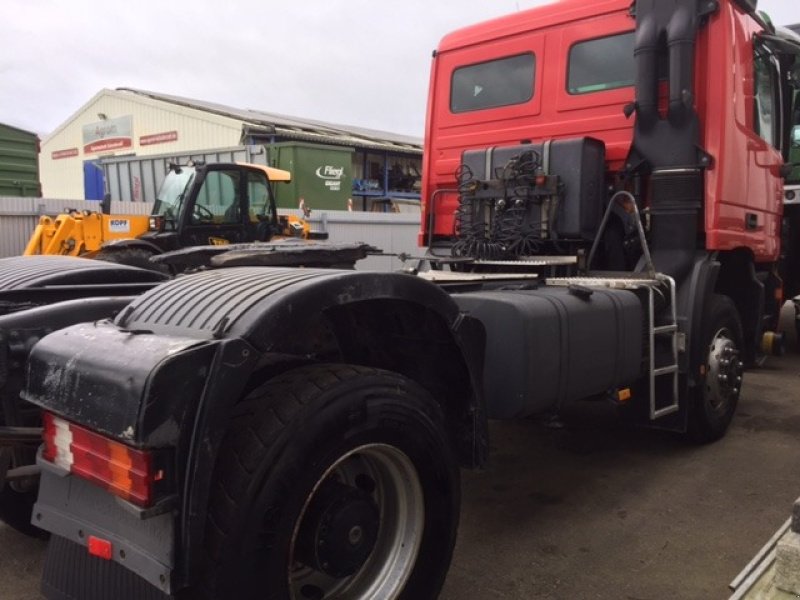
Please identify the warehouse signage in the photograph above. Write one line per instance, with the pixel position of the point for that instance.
(158, 138)
(109, 134)
(68, 153)
(332, 176)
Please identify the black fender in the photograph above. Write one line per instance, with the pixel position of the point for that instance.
(256, 314)
(28, 281)
(27, 272)
(20, 330)
(692, 295)
(192, 347)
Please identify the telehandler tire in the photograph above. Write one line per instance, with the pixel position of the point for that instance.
(133, 257)
(333, 481)
(719, 367)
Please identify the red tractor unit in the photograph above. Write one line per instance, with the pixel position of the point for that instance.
(604, 212)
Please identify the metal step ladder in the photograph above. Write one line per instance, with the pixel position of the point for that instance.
(669, 330)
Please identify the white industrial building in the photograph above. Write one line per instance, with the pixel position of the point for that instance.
(135, 123)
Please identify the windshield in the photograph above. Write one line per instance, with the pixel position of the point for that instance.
(170, 194)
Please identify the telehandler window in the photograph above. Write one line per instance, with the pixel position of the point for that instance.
(492, 84)
(218, 200)
(601, 64)
(258, 195)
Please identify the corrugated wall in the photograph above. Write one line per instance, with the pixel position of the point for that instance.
(19, 162)
(137, 179)
(392, 233)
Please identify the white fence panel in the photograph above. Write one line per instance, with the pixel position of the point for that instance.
(393, 233)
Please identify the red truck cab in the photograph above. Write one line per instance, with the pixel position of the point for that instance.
(568, 69)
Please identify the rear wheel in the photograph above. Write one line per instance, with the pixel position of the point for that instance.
(333, 482)
(18, 496)
(16, 508)
(720, 368)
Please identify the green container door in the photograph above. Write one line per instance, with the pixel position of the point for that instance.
(321, 175)
(19, 162)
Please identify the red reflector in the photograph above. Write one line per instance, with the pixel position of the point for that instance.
(120, 469)
(99, 547)
(49, 437)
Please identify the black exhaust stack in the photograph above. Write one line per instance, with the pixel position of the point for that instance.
(668, 147)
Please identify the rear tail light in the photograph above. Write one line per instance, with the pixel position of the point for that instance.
(120, 469)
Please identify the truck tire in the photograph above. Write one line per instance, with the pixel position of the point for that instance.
(720, 366)
(133, 257)
(333, 481)
(16, 508)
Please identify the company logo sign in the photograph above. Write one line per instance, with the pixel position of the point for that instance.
(111, 134)
(158, 138)
(119, 225)
(332, 176)
(68, 153)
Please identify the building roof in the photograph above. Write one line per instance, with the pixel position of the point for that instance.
(296, 128)
(18, 130)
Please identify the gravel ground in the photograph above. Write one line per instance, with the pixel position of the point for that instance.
(599, 511)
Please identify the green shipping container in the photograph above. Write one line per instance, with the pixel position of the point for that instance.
(321, 175)
(19, 162)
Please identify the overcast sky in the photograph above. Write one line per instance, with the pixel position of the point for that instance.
(357, 62)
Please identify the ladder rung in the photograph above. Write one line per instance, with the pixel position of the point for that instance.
(665, 370)
(667, 410)
(665, 329)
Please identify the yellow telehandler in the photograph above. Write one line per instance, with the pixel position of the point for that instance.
(196, 205)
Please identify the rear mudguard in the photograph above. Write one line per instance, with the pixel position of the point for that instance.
(27, 272)
(169, 370)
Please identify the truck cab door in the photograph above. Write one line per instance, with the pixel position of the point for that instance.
(764, 183)
(790, 239)
(215, 212)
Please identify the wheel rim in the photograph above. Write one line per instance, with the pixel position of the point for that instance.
(360, 529)
(724, 371)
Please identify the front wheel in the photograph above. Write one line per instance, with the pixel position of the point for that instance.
(720, 369)
(333, 482)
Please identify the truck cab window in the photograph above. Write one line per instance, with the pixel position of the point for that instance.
(601, 64)
(766, 109)
(492, 84)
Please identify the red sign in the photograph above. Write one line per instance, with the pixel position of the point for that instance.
(107, 144)
(158, 138)
(64, 153)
